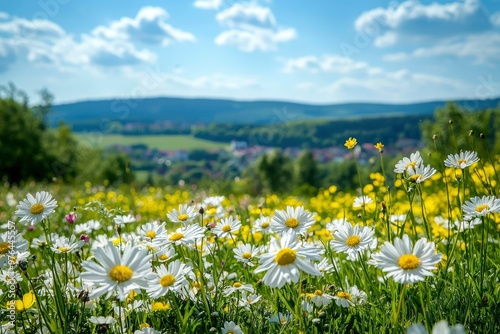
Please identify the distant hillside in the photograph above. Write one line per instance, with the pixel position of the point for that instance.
(87, 114)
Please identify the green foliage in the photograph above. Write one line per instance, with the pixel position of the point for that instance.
(29, 150)
(315, 133)
(275, 170)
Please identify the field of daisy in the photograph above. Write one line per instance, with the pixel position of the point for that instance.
(415, 254)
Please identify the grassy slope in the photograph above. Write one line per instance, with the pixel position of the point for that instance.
(163, 142)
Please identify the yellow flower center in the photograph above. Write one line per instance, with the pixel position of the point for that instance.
(282, 320)
(5, 247)
(344, 295)
(353, 240)
(37, 208)
(120, 273)
(408, 261)
(176, 237)
(167, 280)
(292, 222)
(318, 293)
(462, 161)
(414, 178)
(286, 256)
(163, 257)
(246, 255)
(150, 234)
(182, 217)
(237, 285)
(265, 224)
(63, 249)
(211, 211)
(230, 332)
(411, 164)
(144, 325)
(482, 207)
(117, 241)
(226, 228)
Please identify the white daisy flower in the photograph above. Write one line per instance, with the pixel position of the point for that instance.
(102, 320)
(187, 235)
(153, 233)
(227, 227)
(91, 225)
(480, 206)
(320, 298)
(245, 253)
(262, 225)
(248, 299)
(306, 307)
(405, 263)
(440, 327)
(238, 287)
(398, 218)
(213, 206)
(420, 173)
(11, 245)
(362, 201)
(296, 220)
(407, 164)
(63, 245)
(281, 318)
(34, 209)
(147, 330)
(122, 220)
(353, 240)
(115, 272)
(461, 160)
(231, 328)
(170, 278)
(353, 296)
(336, 224)
(324, 266)
(10, 277)
(463, 225)
(284, 260)
(186, 214)
(164, 253)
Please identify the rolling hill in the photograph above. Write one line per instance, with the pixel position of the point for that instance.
(195, 111)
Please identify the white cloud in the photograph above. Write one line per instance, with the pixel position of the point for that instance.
(483, 48)
(326, 63)
(252, 28)
(149, 26)
(400, 56)
(208, 4)
(45, 43)
(4, 16)
(412, 21)
(495, 19)
(382, 87)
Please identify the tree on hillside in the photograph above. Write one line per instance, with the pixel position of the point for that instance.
(306, 169)
(276, 171)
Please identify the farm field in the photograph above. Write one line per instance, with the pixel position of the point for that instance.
(160, 142)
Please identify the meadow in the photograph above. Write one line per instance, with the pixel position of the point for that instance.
(160, 142)
(414, 254)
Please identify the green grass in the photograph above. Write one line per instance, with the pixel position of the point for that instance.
(161, 142)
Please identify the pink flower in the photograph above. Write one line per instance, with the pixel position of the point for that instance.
(71, 217)
(85, 238)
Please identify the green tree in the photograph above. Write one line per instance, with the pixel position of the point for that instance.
(276, 171)
(306, 169)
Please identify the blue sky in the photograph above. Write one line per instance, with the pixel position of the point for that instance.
(321, 51)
